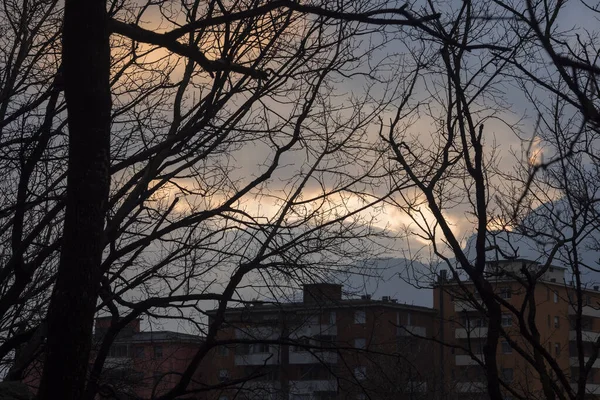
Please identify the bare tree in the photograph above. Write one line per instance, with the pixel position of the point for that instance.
(126, 173)
(547, 202)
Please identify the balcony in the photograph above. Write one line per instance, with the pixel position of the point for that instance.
(261, 390)
(586, 336)
(314, 330)
(471, 387)
(257, 359)
(590, 388)
(464, 360)
(461, 306)
(315, 357)
(574, 362)
(586, 311)
(118, 362)
(411, 330)
(462, 333)
(416, 387)
(309, 387)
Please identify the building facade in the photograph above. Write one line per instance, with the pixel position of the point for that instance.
(465, 328)
(326, 347)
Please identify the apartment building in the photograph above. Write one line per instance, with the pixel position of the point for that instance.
(140, 365)
(145, 364)
(464, 325)
(325, 347)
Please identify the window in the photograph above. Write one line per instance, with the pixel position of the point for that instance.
(223, 398)
(260, 348)
(361, 396)
(556, 297)
(332, 318)
(313, 320)
(360, 343)
(303, 344)
(242, 349)
(223, 351)
(158, 351)
(506, 349)
(118, 351)
(549, 321)
(325, 341)
(359, 317)
(557, 349)
(360, 373)
(507, 375)
(408, 319)
(223, 375)
(556, 322)
(139, 352)
(506, 320)
(505, 293)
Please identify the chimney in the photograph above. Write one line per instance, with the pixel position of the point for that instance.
(385, 298)
(322, 292)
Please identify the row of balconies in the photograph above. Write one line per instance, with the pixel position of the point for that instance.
(481, 387)
(481, 332)
(312, 386)
(295, 357)
(272, 389)
(466, 360)
(314, 330)
(587, 311)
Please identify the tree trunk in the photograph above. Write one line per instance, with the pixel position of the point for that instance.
(86, 63)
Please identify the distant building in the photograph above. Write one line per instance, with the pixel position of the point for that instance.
(140, 365)
(465, 325)
(331, 348)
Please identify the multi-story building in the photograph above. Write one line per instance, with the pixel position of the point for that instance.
(145, 364)
(465, 326)
(140, 365)
(326, 347)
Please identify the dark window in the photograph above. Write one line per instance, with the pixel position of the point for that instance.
(260, 348)
(158, 351)
(242, 349)
(506, 349)
(505, 293)
(506, 320)
(118, 350)
(223, 351)
(139, 352)
(507, 375)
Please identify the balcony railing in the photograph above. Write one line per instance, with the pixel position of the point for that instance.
(590, 388)
(461, 306)
(586, 311)
(257, 359)
(411, 330)
(462, 333)
(586, 336)
(463, 360)
(471, 387)
(574, 362)
(315, 357)
(309, 387)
